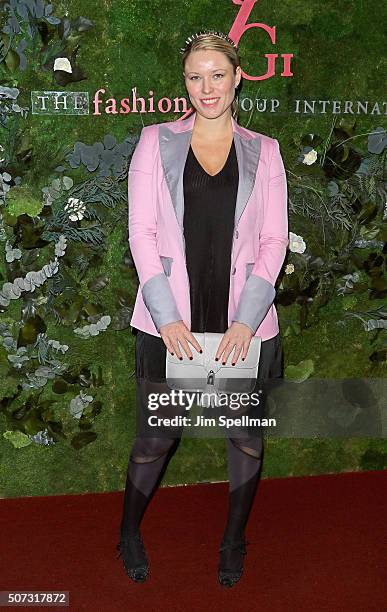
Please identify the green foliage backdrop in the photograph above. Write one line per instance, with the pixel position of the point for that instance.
(67, 281)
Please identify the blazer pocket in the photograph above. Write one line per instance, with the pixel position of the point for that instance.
(167, 264)
(249, 267)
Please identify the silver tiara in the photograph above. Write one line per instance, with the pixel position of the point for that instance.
(191, 38)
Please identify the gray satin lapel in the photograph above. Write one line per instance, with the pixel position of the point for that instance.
(247, 152)
(174, 148)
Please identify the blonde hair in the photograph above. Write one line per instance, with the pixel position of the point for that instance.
(213, 42)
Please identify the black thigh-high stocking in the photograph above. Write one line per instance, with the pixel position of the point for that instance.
(148, 456)
(244, 462)
(245, 455)
(146, 462)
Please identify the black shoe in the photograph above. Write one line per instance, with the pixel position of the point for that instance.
(230, 569)
(134, 557)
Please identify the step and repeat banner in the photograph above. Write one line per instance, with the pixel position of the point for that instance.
(78, 81)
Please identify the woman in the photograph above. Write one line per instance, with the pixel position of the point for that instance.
(208, 232)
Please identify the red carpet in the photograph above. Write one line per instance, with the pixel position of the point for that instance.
(317, 543)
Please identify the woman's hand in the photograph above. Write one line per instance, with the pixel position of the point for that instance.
(238, 335)
(175, 333)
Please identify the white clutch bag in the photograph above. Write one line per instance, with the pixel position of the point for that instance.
(205, 374)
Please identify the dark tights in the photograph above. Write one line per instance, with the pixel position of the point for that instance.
(150, 455)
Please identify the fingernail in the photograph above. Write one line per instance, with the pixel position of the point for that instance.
(191, 358)
(216, 358)
(243, 358)
(181, 358)
(223, 363)
(233, 364)
(172, 353)
(201, 351)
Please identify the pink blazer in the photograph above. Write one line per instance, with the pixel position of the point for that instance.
(156, 238)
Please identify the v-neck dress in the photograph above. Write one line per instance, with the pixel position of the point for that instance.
(209, 211)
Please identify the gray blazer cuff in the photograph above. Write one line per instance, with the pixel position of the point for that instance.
(255, 300)
(159, 300)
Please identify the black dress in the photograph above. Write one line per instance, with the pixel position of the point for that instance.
(209, 209)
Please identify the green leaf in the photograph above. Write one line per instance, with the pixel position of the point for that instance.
(29, 332)
(17, 438)
(21, 200)
(12, 60)
(82, 439)
(60, 386)
(300, 371)
(98, 283)
(121, 319)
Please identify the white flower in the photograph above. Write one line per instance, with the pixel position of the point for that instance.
(310, 157)
(296, 243)
(76, 209)
(62, 63)
(289, 269)
(2, 150)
